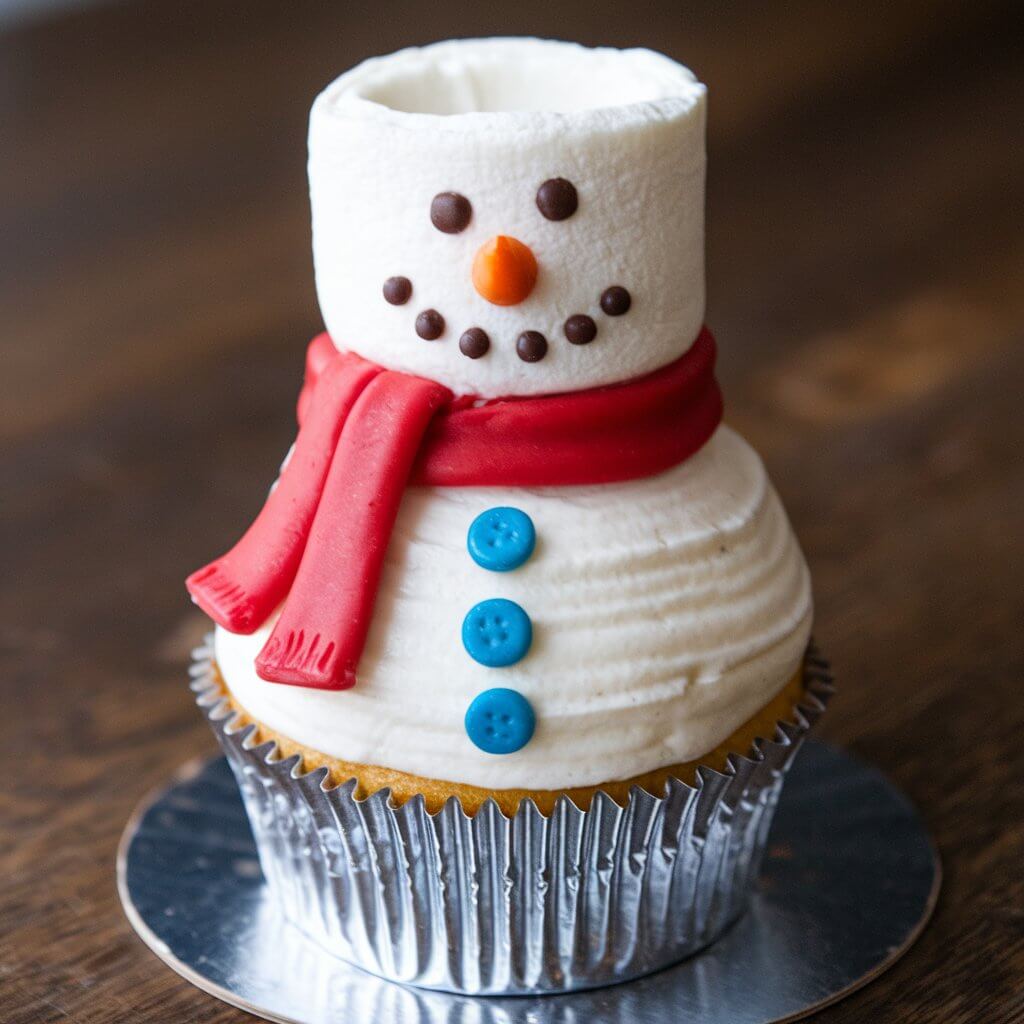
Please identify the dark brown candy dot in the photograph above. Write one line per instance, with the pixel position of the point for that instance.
(615, 300)
(580, 329)
(531, 346)
(430, 324)
(557, 199)
(450, 212)
(474, 343)
(397, 290)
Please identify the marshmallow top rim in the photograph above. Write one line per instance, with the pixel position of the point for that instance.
(464, 85)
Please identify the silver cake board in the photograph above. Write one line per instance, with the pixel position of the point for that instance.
(849, 881)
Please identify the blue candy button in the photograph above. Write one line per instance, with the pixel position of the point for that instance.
(501, 539)
(500, 721)
(497, 632)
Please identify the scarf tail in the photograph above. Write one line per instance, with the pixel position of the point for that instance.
(240, 589)
(318, 640)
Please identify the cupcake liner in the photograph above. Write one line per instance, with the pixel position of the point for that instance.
(493, 904)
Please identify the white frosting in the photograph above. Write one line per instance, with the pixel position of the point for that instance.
(666, 612)
(492, 120)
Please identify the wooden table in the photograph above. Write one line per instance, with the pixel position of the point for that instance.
(866, 276)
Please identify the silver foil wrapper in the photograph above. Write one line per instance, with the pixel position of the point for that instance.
(490, 904)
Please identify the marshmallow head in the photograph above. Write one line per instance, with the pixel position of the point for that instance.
(511, 216)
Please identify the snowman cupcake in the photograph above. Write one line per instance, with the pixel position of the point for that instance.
(512, 661)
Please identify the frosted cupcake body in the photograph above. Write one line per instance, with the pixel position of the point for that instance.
(665, 613)
(495, 221)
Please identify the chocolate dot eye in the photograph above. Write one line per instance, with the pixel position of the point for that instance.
(474, 343)
(615, 300)
(580, 329)
(557, 199)
(397, 290)
(430, 325)
(450, 212)
(531, 346)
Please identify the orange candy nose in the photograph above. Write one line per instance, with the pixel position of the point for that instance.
(504, 271)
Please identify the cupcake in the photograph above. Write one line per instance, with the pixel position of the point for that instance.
(512, 661)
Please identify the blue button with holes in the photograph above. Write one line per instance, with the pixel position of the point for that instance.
(500, 721)
(501, 539)
(497, 632)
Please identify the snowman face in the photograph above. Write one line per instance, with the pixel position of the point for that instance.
(507, 252)
(505, 273)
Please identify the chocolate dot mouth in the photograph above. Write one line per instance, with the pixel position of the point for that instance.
(397, 290)
(430, 325)
(616, 300)
(580, 329)
(531, 346)
(474, 343)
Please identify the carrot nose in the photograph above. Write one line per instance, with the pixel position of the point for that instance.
(504, 271)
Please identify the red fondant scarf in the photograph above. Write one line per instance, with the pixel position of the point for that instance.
(366, 432)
